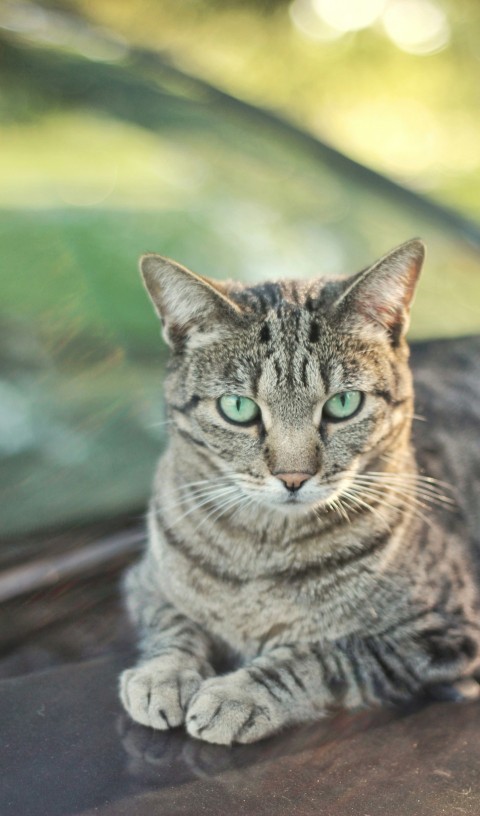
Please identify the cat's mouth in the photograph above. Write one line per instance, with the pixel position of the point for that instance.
(317, 495)
(317, 499)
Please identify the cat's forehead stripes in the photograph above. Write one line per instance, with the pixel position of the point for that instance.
(290, 346)
(278, 296)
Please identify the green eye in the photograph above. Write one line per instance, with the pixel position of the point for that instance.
(343, 406)
(241, 410)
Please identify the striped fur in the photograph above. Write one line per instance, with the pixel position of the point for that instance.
(258, 608)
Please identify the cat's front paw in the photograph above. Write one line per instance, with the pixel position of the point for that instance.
(225, 710)
(158, 696)
(466, 689)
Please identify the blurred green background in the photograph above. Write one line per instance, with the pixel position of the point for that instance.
(222, 134)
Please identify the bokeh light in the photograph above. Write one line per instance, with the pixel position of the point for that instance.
(416, 26)
(307, 20)
(349, 15)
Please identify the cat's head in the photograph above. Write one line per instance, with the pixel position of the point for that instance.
(289, 387)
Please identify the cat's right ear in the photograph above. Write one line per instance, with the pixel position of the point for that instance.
(192, 308)
(380, 296)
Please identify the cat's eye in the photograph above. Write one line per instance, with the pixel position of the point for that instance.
(343, 405)
(241, 410)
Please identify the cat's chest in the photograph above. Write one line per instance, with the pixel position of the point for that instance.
(247, 614)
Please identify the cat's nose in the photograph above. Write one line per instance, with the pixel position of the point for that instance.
(293, 481)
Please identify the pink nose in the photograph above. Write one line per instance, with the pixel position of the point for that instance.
(293, 481)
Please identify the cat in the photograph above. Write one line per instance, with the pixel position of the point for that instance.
(294, 562)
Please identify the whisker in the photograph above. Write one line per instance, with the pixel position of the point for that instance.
(397, 475)
(430, 496)
(209, 498)
(250, 501)
(208, 481)
(353, 496)
(426, 486)
(407, 502)
(200, 492)
(425, 489)
(371, 491)
(159, 424)
(345, 503)
(337, 505)
(222, 508)
(411, 476)
(197, 492)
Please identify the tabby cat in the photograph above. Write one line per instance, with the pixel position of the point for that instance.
(294, 562)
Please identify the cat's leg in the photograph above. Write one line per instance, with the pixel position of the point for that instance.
(295, 683)
(284, 686)
(174, 661)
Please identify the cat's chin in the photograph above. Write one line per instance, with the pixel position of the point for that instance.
(296, 506)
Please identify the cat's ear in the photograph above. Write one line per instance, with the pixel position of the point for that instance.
(190, 306)
(382, 294)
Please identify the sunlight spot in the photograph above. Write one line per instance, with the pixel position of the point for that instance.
(306, 19)
(416, 26)
(349, 15)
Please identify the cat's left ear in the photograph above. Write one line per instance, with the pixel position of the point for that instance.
(193, 309)
(382, 294)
